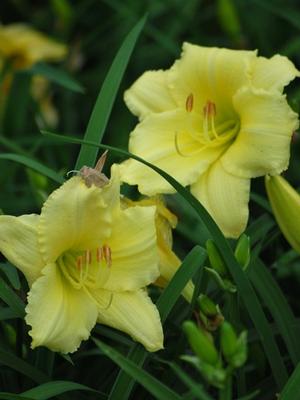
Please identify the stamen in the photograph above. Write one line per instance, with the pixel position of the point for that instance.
(107, 255)
(189, 103)
(209, 111)
(99, 254)
(79, 262)
(87, 261)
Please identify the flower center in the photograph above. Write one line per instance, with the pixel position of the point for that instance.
(89, 269)
(212, 134)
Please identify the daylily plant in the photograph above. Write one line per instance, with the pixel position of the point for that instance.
(86, 260)
(214, 120)
(24, 46)
(285, 202)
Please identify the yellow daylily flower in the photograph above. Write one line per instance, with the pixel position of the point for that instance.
(165, 221)
(214, 120)
(86, 260)
(24, 46)
(285, 202)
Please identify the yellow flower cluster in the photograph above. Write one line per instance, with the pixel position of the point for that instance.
(214, 120)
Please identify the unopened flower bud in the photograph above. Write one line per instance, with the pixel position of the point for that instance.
(215, 258)
(285, 202)
(242, 251)
(228, 340)
(207, 306)
(200, 343)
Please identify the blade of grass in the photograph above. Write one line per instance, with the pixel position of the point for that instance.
(15, 363)
(275, 300)
(55, 388)
(56, 75)
(291, 389)
(124, 383)
(153, 385)
(195, 388)
(33, 164)
(7, 313)
(191, 264)
(11, 299)
(104, 103)
(241, 280)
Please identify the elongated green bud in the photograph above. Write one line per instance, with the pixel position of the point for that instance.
(200, 343)
(242, 251)
(207, 306)
(215, 259)
(229, 340)
(285, 202)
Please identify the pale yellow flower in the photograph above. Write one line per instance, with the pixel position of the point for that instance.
(86, 260)
(214, 120)
(165, 221)
(24, 46)
(285, 202)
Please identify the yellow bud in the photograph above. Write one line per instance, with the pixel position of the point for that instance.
(285, 202)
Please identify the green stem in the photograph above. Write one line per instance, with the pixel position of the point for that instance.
(226, 393)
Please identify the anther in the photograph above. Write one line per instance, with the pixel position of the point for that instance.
(189, 103)
(107, 255)
(209, 110)
(99, 254)
(88, 257)
(79, 262)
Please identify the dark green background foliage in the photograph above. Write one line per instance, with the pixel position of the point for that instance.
(94, 31)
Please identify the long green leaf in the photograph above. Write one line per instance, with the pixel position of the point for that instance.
(56, 75)
(292, 388)
(275, 300)
(55, 388)
(153, 385)
(12, 396)
(33, 164)
(242, 282)
(7, 313)
(124, 383)
(15, 363)
(11, 299)
(195, 388)
(104, 103)
(191, 264)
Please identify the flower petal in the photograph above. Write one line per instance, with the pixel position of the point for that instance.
(133, 248)
(19, 244)
(273, 73)
(60, 316)
(225, 197)
(169, 264)
(73, 217)
(154, 139)
(209, 73)
(133, 313)
(149, 94)
(262, 145)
